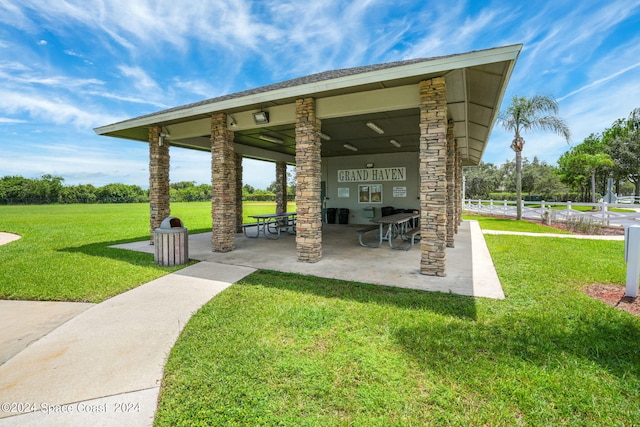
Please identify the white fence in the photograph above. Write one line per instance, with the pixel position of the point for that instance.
(561, 211)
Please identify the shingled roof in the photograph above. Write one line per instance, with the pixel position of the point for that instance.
(476, 82)
(298, 81)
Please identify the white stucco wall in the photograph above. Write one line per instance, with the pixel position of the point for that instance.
(331, 166)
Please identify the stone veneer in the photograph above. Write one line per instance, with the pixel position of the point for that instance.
(451, 187)
(433, 180)
(159, 207)
(223, 181)
(458, 188)
(239, 212)
(308, 174)
(281, 187)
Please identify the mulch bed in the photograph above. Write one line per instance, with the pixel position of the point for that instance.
(613, 295)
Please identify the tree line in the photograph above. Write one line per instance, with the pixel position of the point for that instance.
(581, 174)
(48, 189)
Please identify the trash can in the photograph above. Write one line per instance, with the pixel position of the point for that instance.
(171, 241)
(387, 210)
(331, 215)
(343, 216)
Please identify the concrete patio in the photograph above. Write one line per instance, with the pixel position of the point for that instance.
(470, 270)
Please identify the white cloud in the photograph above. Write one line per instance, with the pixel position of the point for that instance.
(131, 99)
(140, 78)
(55, 111)
(600, 81)
(13, 73)
(8, 120)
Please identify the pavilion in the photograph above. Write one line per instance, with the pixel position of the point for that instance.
(360, 138)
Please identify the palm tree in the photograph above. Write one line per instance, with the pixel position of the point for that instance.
(530, 114)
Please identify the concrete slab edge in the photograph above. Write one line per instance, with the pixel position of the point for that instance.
(486, 282)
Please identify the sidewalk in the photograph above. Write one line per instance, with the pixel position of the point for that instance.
(104, 366)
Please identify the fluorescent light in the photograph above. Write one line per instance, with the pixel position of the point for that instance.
(325, 136)
(395, 143)
(272, 139)
(375, 127)
(350, 147)
(261, 117)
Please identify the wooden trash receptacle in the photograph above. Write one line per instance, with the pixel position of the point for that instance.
(171, 241)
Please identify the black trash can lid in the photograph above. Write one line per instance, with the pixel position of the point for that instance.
(171, 222)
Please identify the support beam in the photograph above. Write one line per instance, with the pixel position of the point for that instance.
(458, 187)
(159, 195)
(223, 182)
(433, 182)
(451, 188)
(308, 174)
(239, 212)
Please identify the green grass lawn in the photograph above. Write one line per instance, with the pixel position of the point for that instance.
(510, 224)
(286, 349)
(63, 253)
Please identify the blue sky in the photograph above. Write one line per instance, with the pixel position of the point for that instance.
(69, 66)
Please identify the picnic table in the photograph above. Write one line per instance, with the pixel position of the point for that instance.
(403, 225)
(270, 225)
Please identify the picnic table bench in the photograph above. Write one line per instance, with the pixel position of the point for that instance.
(397, 226)
(270, 225)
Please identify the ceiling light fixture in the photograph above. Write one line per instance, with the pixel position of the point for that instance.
(325, 136)
(350, 147)
(164, 133)
(375, 127)
(272, 139)
(395, 143)
(261, 117)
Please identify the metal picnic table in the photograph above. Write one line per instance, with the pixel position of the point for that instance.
(401, 225)
(270, 225)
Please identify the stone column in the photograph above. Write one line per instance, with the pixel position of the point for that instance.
(451, 188)
(308, 203)
(239, 213)
(281, 187)
(223, 182)
(159, 194)
(433, 182)
(458, 187)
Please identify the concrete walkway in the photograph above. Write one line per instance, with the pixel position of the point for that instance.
(8, 237)
(102, 364)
